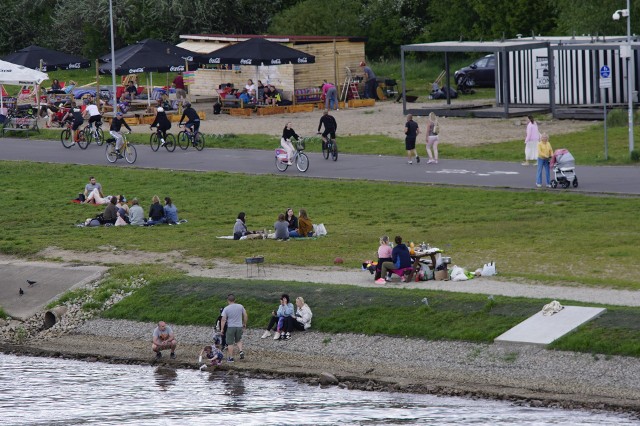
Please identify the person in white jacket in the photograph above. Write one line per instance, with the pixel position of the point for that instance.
(303, 315)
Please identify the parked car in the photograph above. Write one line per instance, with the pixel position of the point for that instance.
(481, 73)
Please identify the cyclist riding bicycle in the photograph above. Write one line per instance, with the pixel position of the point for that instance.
(193, 123)
(162, 123)
(77, 122)
(330, 126)
(287, 134)
(114, 130)
(94, 114)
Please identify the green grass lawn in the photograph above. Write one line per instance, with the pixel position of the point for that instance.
(548, 236)
(394, 312)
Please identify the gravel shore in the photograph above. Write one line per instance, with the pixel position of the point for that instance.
(525, 374)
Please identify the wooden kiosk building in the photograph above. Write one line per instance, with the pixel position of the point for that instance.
(334, 57)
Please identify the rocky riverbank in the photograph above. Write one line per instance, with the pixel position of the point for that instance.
(522, 374)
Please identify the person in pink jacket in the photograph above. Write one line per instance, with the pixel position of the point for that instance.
(531, 142)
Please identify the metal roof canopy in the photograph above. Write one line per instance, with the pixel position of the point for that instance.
(499, 48)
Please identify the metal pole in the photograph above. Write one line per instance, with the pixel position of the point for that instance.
(113, 61)
(629, 79)
(606, 142)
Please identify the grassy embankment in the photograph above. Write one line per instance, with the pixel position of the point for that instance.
(551, 236)
(178, 299)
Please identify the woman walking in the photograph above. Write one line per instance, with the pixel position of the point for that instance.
(432, 138)
(531, 142)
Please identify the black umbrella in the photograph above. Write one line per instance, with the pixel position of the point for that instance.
(31, 56)
(257, 51)
(147, 56)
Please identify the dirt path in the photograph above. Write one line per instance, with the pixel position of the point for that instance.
(384, 119)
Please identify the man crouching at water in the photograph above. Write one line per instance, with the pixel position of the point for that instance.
(235, 317)
(163, 339)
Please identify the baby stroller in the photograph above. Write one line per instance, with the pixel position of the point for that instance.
(564, 169)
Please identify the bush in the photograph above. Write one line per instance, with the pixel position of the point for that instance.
(617, 118)
(635, 156)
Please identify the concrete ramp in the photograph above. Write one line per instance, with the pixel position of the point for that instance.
(542, 330)
(52, 279)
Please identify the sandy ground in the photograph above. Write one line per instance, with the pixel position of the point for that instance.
(384, 119)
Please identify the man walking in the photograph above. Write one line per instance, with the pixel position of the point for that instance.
(411, 132)
(234, 316)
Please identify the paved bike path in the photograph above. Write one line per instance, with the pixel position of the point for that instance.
(592, 179)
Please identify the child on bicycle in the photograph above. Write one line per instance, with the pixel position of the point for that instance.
(330, 126)
(193, 119)
(162, 123)
(287, 134)
(114, 130)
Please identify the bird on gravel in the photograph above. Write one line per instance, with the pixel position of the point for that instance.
(31, 282)
(21, 291)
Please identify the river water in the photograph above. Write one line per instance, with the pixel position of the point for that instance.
(47, 391)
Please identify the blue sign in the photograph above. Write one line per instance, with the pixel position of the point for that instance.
(605, 71)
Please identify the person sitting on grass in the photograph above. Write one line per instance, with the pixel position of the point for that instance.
(281, 320)
(170, 211)
(110, 214)
(401, 259)
(156, 212)
(303, 315)
(136, 213)
(240, 229)
(163, 339)
(281, 228)
(291, 219)
(90, 188)
(305, 227)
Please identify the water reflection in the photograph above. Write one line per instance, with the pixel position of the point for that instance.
(104, 394)
(165, 377)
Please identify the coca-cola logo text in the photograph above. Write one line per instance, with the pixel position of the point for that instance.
(302, 60)
(245, 61)
(276, 62)
(179, 68)
(135, 70)
(214, 60)
(74, 66)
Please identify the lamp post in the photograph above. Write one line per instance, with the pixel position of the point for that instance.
(627, 53)
(113, 61)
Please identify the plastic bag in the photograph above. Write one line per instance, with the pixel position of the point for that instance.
(321, 230)
(458, 274)
(489, 269)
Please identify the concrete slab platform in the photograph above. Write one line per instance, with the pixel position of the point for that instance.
(51, 281)
(542, 330)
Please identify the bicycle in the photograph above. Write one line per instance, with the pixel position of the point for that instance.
(128, 151)
(186, 138)
(66, 137)
(96, 133)
(299, 158)
(169, 141)
(329, 146)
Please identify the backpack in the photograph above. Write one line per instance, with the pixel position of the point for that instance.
(217, 108)
(436, 128)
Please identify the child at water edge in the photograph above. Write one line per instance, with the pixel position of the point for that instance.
(213, 354)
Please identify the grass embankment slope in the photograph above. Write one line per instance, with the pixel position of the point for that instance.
(348, 309)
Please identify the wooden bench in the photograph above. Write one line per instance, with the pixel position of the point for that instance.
(24, 124)
(310, 95)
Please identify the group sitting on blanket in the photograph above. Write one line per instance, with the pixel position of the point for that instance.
(287, 226)
(117, 212)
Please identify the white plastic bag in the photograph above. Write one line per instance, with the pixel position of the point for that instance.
(489, 269)
(458, 274)
(320, 230)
